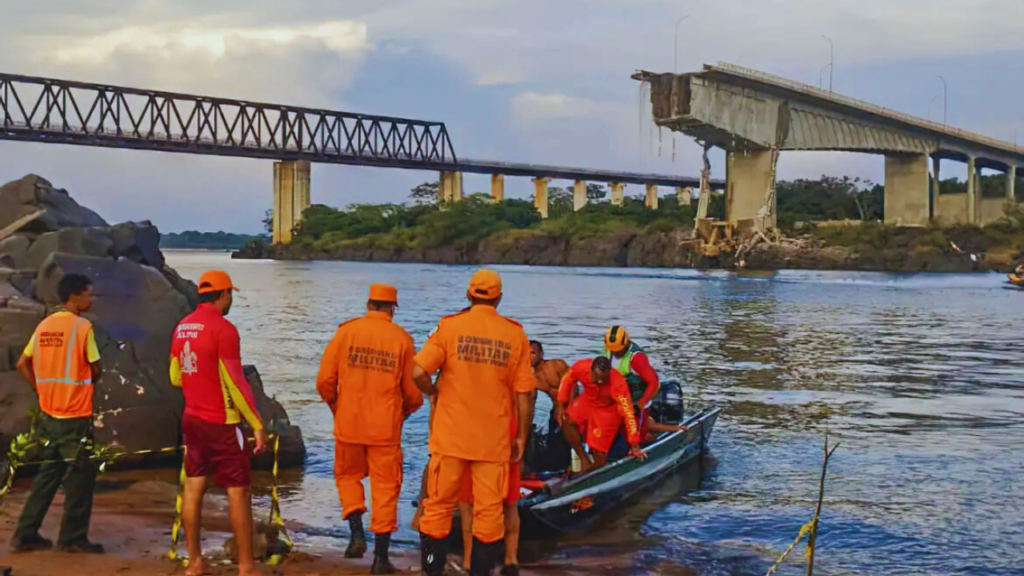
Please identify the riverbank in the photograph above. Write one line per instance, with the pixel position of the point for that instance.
(132, 518)
(854, 247)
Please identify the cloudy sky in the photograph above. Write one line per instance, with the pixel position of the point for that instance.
(542, 81)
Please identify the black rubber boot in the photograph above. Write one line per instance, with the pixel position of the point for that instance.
(357, 544)
(509, 570)
(485, 557)
(433, 555)
(381, 563)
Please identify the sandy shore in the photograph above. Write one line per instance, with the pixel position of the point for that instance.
(132, 518)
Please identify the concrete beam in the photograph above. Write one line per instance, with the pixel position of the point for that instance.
(618, 194)
(972, 191)
(497, 187)
(933, 212)
(747, 178)
(906, 189)
(579, 195)
(540, 195)
(291, 197)
(651, 196)
(684, 196)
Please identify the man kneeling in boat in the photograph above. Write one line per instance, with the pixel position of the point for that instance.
(599, 410)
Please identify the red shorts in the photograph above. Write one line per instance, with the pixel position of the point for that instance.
(600, 424)
(511, 498)
(217, 450)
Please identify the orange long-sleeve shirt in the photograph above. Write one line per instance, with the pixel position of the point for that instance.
(612, 396)
(366, 377)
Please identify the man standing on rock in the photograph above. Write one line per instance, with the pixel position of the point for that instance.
(484, 359)
(366, 379)
(206, 362)
(61, 363)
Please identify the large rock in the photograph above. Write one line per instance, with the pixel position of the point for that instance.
(80, 241)
(292, 449)
(59, 210)
(14, 250)
(16, 399)
(139, 242)
(16, 328)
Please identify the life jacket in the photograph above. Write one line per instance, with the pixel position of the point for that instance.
(624, 366)
(62, 370)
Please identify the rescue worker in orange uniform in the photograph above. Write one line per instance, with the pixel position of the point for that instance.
(206, 363)
(484, 359)
(61, 363)
(366, 379)
(599, 411)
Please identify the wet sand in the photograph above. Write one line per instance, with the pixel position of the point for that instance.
(132, 518)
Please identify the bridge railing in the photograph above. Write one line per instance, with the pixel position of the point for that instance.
(42, 109)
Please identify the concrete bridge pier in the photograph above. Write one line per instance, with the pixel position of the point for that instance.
(651, 196)
(906, 189)
(747, 178)
(291, 197)
(497, 187)
(449, 187)
(579, 195)
(1011, 184)
(618, 194)
(540, 195)
(972, 190)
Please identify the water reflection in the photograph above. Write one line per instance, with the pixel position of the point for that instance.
(919, 377)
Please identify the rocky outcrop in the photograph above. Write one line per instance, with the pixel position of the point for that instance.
(138, 302)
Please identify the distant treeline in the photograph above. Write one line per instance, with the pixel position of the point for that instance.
(192, 239)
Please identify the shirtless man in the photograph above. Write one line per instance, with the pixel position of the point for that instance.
(548, 372)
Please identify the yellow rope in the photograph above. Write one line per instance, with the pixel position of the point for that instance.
(176, 527)
(804, 530)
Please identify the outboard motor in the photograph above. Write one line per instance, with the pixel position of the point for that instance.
(667, 406)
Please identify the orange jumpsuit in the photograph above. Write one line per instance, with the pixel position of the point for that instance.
(366, 378)
(484, 360)
(599, 410)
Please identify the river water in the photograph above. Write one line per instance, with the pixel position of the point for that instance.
(919, 377)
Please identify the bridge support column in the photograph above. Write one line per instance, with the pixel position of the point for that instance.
(291, 197)
(540, 195)
(618, 194)
(933, 213)
(651, 196)
(747, 178)
(579, 195)
(450, 187)
(972, 191)
(906, 189)
(1011, 184)
(497, 187)
(684, 196)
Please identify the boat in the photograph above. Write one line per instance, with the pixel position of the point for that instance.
(568, 504)
(1015, 280)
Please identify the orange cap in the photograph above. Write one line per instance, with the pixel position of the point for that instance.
(485, 284)
(215, 280)
(383, 293)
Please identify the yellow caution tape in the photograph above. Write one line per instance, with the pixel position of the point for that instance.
(176, 527)
(804, 531)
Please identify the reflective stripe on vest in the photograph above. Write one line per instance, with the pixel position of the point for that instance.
(62, 370)
(70, 346)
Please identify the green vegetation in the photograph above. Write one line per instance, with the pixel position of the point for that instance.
(426, 224)
(192, 239)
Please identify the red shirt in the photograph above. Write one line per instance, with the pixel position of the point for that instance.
(641, 365)
(206, 362)
(611, 396)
